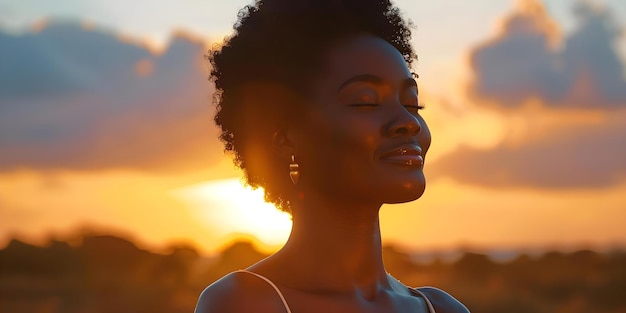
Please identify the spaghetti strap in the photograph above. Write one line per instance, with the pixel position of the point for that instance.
(431, 309)
(280, 294)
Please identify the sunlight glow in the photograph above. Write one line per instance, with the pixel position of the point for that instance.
(228, 207)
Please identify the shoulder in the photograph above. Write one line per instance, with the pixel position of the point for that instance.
(442, 301)
(238, 292)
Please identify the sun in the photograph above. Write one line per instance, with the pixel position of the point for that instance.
(229, 208)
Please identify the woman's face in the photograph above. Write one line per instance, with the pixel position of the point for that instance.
(363, 139)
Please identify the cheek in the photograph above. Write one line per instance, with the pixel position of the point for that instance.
(356, 140)
(341, 148)
(345, 134)
(354, 168)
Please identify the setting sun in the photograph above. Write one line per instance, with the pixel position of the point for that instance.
(230, 208)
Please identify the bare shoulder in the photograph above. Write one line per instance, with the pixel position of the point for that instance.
(442, 301)
(239, 292)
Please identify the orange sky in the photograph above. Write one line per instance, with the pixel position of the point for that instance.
(530, 159)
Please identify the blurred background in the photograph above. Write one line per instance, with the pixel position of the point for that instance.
(116, 196)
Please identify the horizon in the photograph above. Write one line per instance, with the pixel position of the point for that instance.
(421, 255)
(116, 273)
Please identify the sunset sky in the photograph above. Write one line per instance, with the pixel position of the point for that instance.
(105, 124)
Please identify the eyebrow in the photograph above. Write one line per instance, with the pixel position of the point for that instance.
(368, 78)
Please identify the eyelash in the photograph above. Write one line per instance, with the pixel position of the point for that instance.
(419, 107)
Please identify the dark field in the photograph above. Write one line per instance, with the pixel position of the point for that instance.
(106, 274)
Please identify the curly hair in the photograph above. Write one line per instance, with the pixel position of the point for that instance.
(261, 72)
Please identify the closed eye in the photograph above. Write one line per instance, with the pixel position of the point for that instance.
(415, 108)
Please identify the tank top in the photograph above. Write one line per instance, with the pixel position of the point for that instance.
(414, 291)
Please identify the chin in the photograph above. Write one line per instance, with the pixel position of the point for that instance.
(409, 192)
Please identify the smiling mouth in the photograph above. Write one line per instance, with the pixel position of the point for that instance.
(407, 156)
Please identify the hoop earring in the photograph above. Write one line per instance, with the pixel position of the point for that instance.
(294, 172)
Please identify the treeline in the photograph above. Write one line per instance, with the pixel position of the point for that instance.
(107, 274)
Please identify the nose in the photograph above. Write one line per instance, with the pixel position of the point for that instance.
(404, 123)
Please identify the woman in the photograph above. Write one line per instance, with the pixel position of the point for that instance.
(318, 106)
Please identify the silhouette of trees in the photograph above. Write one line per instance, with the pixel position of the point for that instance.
(108, 274)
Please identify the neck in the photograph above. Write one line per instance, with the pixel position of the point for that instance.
(336, 247)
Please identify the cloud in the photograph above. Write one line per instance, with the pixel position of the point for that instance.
(575, 154)
(564, 101)
(76, 98)
(524, 62)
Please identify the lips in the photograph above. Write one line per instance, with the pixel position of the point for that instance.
(407, 155)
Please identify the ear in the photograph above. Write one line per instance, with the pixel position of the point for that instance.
(283, 144)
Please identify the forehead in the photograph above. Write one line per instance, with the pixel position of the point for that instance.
(365, 54)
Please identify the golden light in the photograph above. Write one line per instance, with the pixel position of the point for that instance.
(230, 208)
